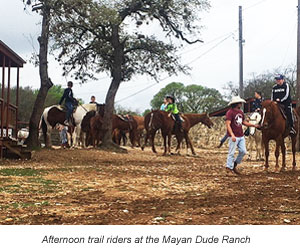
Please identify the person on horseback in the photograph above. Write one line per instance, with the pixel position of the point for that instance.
(93, 100)
(235, 118)
(70, 101)
(172, 108)
(281, 94)
(164, 104)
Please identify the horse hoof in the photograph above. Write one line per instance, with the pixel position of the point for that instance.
(282, 170)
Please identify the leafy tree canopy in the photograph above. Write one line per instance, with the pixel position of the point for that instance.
(191, 98)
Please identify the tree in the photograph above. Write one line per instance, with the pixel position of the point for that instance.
(94, 36)
(264, 83)
(191, 98)
(199, 99)
(44, 7)
(176, 89)
(125, 111)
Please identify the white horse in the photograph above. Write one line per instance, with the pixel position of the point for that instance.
(255, 137)
(55, 114)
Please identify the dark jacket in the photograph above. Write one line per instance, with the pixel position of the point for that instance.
(68, 96)
(256, 104)
(282, 92)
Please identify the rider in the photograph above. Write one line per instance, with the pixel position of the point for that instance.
(172, 108)
(281, 94)
(93, 100)
(164, 104)
(69, 102)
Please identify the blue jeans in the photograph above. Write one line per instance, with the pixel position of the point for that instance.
(240, 143)
(70, 108)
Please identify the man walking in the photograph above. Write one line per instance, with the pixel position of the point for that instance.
(234, 120)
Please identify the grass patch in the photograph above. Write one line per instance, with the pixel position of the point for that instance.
(20, 172)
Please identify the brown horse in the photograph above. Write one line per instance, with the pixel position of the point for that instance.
(274, 128)
(158, 119)
(155, 120)
(140, 128)
(190, 120)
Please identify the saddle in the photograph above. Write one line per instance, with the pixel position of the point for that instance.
(125, 118)
(282, 111)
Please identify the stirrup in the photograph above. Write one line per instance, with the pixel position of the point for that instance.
(293, 131)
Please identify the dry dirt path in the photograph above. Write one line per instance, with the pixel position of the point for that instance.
(96, 187)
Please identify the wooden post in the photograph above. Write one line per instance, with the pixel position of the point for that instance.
(17, 100)
(2, 96)
(8, 98)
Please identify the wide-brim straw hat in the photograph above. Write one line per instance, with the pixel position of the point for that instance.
(236, 99)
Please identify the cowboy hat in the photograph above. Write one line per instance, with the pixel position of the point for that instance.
(236, 99)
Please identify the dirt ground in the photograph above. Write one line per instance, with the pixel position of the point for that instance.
(88, 186)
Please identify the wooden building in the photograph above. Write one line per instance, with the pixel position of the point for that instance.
(10, 63)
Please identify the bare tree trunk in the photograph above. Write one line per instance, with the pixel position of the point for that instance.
(33, 138)
(111, 94)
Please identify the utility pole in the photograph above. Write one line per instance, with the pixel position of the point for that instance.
(298, 57)
(298, 71)
(241, 41)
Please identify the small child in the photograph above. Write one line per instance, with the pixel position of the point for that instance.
(172, 108)
(164, 105)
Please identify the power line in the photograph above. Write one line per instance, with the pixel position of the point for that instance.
(148, 87)
(254, 5)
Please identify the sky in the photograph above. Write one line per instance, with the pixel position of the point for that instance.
(270, 34)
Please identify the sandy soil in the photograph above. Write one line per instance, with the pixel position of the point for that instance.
(88, 186)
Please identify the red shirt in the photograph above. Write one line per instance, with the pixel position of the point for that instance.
(236, 117)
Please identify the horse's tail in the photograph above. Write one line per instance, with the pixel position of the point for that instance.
(150, 124)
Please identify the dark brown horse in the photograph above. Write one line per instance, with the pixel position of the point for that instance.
(158, 119)
(274, 127)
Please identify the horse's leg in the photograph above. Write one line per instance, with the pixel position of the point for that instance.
(283, 151)
(179, 140)
(169, 142)
(152, 141)
(278, 144)
(189, 143)
(146, 139)
(132, 138)
(294, 142)
(48, 142)
(266, 142)
(164, 135)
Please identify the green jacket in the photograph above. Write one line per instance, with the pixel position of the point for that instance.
(172, 107)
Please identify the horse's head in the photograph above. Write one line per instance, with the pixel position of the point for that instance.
(207, 121)
(267, 113)
(101, 109)
(255, 119)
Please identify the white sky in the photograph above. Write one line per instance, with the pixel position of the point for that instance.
(270, 33)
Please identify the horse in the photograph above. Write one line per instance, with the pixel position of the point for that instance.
(159, 119)
(274, 127)
(140, 128)
(55, 114)
(255, 137)
(117, 123)
(85, 136)
(190, 120)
